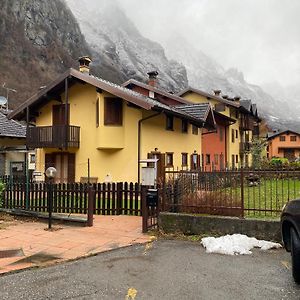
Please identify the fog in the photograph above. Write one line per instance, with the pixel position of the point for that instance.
(261, 38)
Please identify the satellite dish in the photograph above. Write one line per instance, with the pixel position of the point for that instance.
(3, 101)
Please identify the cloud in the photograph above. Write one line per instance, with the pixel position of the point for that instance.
(259, 37)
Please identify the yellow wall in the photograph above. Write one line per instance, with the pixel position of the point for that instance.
(233, 148)
(113, 150)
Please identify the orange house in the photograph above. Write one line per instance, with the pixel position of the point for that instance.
(214, 144)
(284, 144)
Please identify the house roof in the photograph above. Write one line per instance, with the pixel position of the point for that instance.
(272, 135)
(155, 90)
(55, 88)
(11, 128)
(247, 104)
(208, 96)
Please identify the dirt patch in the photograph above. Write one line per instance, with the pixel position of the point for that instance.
(38, 258)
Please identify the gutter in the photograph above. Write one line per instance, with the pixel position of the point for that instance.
(139, 140)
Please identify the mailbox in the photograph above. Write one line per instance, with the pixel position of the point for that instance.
(152, 197)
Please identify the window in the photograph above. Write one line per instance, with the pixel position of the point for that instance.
(97, 113)
(216, 159)
(237, 159)
(232, 161)
(207, 159)
(232, 135)
(282, 138)
(236, 134)
(169, 123)
(113, 111)
(184, 126)
(169, 159)
(32, 158)
(293, 138)
(195, 130)
(184, 159)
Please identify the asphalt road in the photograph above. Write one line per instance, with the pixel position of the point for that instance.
(162, 270)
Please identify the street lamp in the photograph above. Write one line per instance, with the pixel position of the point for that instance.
(51, 172)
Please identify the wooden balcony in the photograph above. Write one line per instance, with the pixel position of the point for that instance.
(246, 123)
(245, 147)
(58, 136)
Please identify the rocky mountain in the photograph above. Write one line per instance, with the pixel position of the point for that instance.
(205, 73)
(38, 40)
(119, 50)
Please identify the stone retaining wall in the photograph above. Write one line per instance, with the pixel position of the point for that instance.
(216, 225)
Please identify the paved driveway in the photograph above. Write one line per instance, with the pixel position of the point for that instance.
(162, 270)
(35, 246)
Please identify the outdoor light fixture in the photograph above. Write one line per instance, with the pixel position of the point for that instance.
(51, 173)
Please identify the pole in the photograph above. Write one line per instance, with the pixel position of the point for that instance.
(242, 192)
(89, 171)
(50, 202)
(91, 198)
(26, 162)
(144, 209)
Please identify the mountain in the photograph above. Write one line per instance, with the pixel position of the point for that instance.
(205, 73)
(39, 39)
(119, 50)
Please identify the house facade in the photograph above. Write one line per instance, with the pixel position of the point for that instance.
(238, 131)
(80, 118)
(14, 157)
(285, 144)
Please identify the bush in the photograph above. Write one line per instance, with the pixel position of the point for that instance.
(279, 162)
(2, 187)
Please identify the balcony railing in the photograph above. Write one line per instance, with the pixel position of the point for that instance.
(57, 136)
(246, 123)
(245, 147)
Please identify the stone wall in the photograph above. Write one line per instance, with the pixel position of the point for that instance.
(216, 225)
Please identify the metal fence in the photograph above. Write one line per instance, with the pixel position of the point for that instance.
(243, 193)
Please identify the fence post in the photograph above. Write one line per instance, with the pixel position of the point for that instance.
(91, 200)
(119, 198)
(242, 192)
(144, 209)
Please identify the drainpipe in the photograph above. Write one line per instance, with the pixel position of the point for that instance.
(139, 140)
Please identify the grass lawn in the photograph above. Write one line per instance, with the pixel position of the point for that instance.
(269, 195)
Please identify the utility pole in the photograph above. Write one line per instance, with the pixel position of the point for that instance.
(7, 92)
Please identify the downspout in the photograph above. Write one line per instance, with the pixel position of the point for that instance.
(139, 140)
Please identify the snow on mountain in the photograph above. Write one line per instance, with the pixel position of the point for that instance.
(118, 46)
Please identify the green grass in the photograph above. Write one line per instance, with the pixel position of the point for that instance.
(269, 195)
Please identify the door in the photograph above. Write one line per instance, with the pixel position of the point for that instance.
(59, 120)
(160, 164)
(64, 163)
(289, 154)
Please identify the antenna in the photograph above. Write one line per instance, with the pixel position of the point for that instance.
(7, 92)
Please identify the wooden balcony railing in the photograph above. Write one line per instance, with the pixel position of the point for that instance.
(57, 136)
(245, 147)
(246, 123)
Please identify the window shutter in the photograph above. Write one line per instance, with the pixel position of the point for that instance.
(71, 167)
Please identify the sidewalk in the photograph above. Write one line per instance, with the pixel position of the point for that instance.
(39, 247)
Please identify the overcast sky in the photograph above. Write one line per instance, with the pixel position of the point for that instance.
(259, 37)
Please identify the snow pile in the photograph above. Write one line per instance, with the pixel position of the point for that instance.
(235, 244)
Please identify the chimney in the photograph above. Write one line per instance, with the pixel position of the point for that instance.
(237, 98)
(217, 93)
(225, 96)
(152, 78)
(84, 64)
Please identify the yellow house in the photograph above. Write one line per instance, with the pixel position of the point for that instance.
(239, 133)
(79, 117)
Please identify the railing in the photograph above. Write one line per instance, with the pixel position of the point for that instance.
(246, 123)
(110, 198)
(243, 193)
(245, 147)
(57, 136)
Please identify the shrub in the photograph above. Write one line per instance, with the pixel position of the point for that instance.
(279, 162)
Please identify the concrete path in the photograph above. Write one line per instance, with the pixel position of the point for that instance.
(32, 245)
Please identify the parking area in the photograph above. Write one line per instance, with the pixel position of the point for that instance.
(162, 269)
